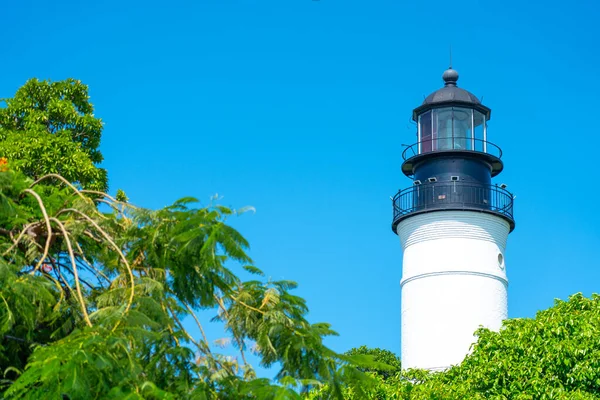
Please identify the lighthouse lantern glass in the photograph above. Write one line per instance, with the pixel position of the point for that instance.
(479, 126)
(442, 132)
(425, 127)
(451, 128)
(462, 128)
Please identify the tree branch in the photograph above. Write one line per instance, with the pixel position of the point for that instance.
(48, 228)
(75, 274)
(112, 243)
(239, 341)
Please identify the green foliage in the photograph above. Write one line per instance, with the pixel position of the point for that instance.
(391, 362)
(556, 355)
(91, 303)
(49, 127)
(121, 196)
(382, 367)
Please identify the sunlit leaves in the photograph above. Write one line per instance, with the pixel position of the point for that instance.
(49, 127)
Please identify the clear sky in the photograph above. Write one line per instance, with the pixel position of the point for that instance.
(300, 109)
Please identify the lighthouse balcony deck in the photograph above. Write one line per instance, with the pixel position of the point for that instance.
(454, 195)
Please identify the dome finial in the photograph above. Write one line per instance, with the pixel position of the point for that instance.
(450, 77)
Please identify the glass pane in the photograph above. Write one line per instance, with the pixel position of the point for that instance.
(443, 117)
(462, 128)
(425, 130)
(479, 122)
(434, 132)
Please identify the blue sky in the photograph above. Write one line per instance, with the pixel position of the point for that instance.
(299, 108)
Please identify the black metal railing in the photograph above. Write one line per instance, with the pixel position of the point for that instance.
(451, 144)
(454, 195)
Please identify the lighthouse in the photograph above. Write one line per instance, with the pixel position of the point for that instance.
(453, 223)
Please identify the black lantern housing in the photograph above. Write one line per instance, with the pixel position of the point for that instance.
(452, 162)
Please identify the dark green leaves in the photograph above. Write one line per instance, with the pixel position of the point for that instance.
(49, 127)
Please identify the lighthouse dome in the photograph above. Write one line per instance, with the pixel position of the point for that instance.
(450, 92)
(451, 96)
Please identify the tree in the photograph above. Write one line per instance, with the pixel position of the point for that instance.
(50, 127)
(92, 298)
(92, 302)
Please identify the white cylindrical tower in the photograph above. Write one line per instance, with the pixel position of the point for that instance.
(453, 281)
(453, 224)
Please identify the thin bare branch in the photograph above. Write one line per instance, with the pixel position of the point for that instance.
(91, 236)
(112, 243)
(57, 283)
(18, 239)
(203, 349)
(60, 275)
(86, 283)
(112, 205)
(199, 326)
(66, 182)
(246, 305)
(48, 229)
(75, 273)
(162, 304)
(191, 339)
(239, 341)
(108, 197)
(82, 255)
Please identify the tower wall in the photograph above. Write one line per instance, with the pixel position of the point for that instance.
(453, 281)
(469, 170)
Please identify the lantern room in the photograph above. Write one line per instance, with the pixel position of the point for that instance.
(452, 119)
(451, 128)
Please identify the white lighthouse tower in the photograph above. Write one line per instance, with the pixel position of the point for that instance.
(453, 223)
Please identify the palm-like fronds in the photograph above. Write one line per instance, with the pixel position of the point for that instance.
(92, 303)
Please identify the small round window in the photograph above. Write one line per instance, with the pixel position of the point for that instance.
(500, 260)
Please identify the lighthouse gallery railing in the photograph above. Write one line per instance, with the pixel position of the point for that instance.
(453, 195)
(450, 143)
